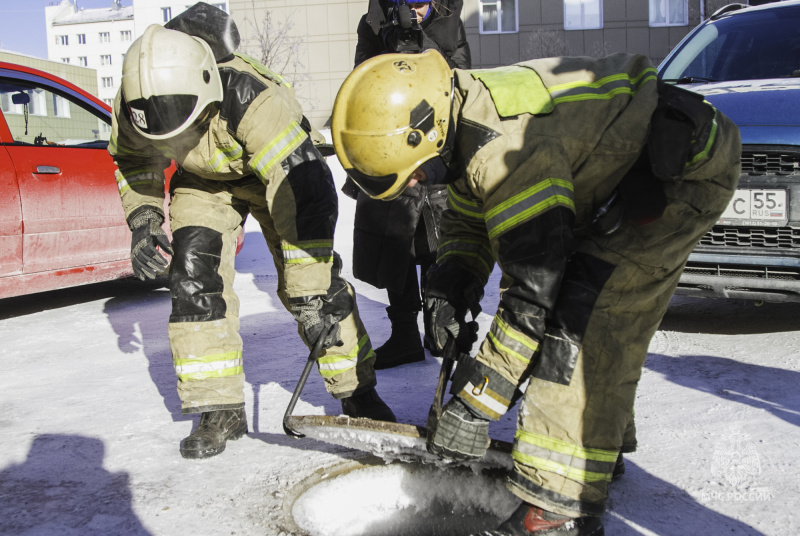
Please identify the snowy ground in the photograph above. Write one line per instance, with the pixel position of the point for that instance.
(90, 422)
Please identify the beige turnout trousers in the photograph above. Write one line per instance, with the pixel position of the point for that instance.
(206, 217)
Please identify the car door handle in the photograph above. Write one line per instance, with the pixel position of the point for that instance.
(47, 170)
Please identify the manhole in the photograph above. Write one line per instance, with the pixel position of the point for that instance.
(371, 498)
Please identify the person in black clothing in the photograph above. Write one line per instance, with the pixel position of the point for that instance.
(392, 237)
(439, 20)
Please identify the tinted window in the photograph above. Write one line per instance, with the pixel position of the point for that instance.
(743, 46)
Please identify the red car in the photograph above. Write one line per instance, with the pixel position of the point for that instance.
(61, 220)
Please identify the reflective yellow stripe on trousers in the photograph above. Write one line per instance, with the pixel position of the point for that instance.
(209, 366)
(566, 459)
(307, 252)
(331, 365)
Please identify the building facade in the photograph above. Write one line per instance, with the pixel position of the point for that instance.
(99, 38)
(312, 42)
(48, 112)
(499, 32)
(83, 77)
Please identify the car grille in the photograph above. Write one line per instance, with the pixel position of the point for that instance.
(752, 237)
(743, 271)
(770, 163)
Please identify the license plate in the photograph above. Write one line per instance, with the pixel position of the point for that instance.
(756, 208)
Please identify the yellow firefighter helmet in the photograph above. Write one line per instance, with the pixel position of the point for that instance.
(390, 116)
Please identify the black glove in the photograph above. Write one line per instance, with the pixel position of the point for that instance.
(322, 314)
(450, 293)
(145, 224)
(459, 434)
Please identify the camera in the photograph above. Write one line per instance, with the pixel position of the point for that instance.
(401, 32)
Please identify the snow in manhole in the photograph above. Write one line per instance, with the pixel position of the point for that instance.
(402, 498)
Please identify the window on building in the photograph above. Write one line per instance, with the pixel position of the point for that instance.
(498, 16)
(166, 13)
(105, 37)
(125, 35)
(81, 39)
(105, 59)
(583, 14)
(110, 102)
(62, 39)
(60, 106)
(83, 61)
(107, 81)
(669, 13)
(37, 101)
(64, 60)
(123, 58)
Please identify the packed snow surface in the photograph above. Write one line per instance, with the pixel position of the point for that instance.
(90, 421)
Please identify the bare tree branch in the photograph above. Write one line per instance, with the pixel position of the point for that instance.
(274, 44)
(546, 44)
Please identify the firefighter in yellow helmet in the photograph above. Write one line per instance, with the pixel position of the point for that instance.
(242, 146)
(588, 182)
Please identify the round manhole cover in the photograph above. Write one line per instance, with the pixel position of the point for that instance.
(368, 499)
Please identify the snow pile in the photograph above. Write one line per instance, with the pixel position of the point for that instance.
(413, 500)
(394, 446)
(390, 447)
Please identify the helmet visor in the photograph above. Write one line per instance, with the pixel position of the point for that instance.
(161, 114)
(386, 187)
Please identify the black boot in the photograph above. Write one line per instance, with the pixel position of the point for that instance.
(404, 345)
(619, 468)
(529, 520)
(215, 428)
(367, 405)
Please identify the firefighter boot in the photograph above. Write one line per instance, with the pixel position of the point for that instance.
(404, 345)
(215, 428)
(367, 405)
(619, 468)
(529, 520)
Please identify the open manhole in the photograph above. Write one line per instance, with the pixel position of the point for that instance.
(371, 498)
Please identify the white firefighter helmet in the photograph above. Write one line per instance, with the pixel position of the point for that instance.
(390, 116)
(168, 79)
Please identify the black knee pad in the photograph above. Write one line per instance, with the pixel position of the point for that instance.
(194, 281)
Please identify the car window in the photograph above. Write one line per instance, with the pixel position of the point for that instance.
(743, 46)
(38, 116)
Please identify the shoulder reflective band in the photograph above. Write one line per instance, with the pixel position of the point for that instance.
(604, 89)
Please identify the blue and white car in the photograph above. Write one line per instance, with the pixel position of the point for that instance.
(746, 62)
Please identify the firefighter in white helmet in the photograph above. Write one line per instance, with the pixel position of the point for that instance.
(242, 146)
(588, 182)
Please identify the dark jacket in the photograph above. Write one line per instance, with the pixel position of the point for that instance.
(388, 235)
(384, 242)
